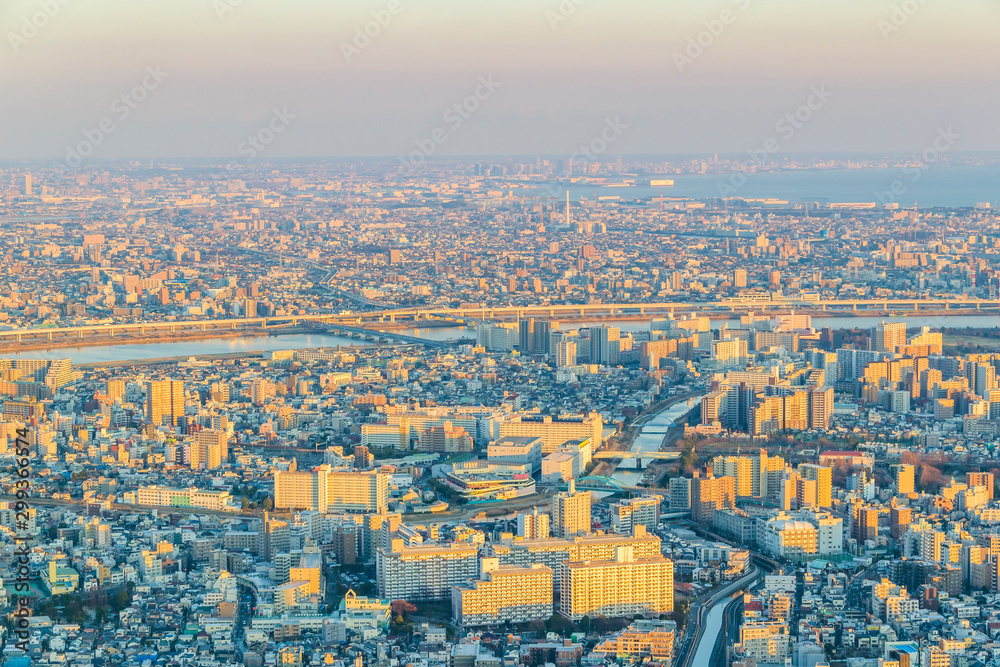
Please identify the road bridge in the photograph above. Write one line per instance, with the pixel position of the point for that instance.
(370, 334)
(642, 456)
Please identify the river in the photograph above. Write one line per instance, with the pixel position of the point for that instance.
(650, 437)
(261, 343)
(140, 351)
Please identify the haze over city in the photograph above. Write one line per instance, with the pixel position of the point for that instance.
(563, 67)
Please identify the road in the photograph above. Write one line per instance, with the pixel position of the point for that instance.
(705, 621)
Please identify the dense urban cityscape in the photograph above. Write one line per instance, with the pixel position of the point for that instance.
(460, 417)
(532, 333)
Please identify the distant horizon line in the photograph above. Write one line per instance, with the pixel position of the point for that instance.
(443, 159)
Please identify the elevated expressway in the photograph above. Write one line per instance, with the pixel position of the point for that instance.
(369, 321)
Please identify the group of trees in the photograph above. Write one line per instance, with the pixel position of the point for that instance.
(77, 607)
(267, 504)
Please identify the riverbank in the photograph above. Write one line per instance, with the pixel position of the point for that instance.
(162, 361)
(149, 339)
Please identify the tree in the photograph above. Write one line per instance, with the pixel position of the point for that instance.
(585, 624)
(560, 625)
(268, 504)
(403, 608)
(245, 503)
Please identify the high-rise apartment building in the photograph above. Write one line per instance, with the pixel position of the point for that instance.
(984, 479)
(533, 525)
(899, 519)
(556, 432)
(324, 489)
(625, 586)
(627, 514)
(680, 494)
(903, 479)
(424, 572)
(709, 494)
(887, 336)
(565, 353)
(823, 476)
(821, 407)
(164, 400)
(209, 450)
(605, 344)
(571, 512)
(754, 476)
(504, 594)
(865, 523)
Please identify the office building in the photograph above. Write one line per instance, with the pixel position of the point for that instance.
(525, 450)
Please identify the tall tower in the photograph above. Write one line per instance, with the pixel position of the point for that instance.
(567, 207)
(27, 185)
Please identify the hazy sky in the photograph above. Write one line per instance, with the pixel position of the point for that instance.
(565, 69)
